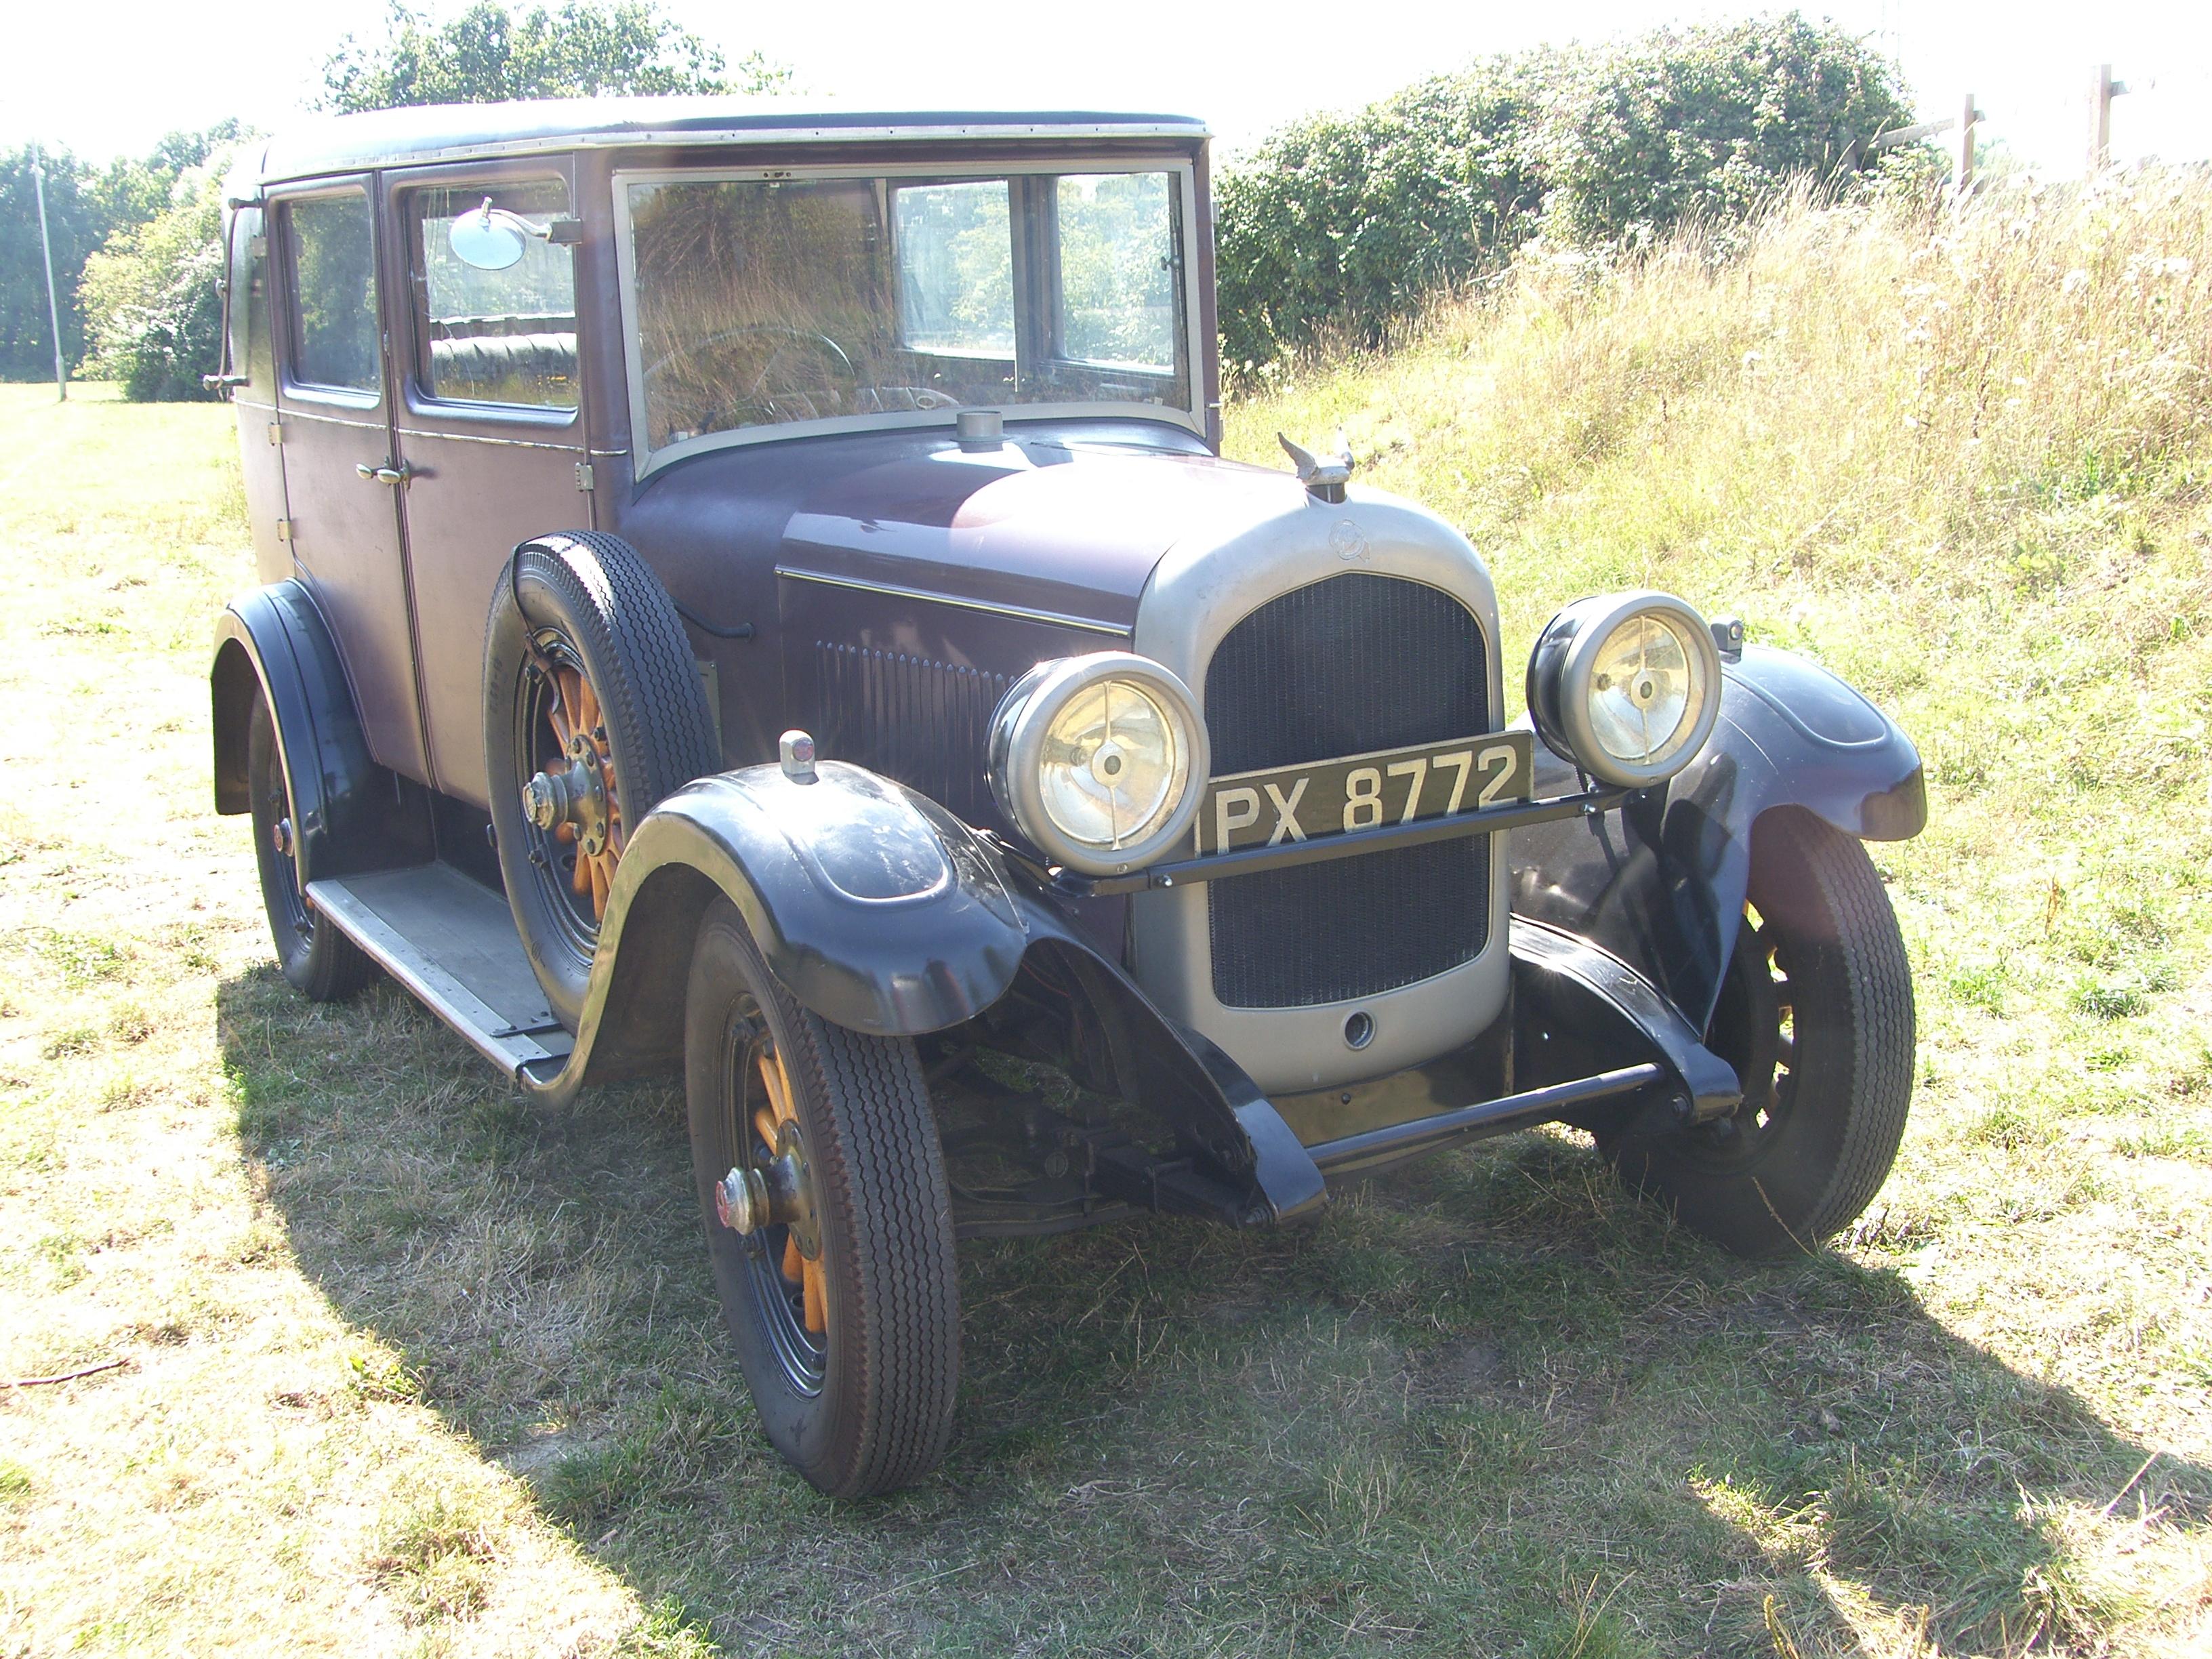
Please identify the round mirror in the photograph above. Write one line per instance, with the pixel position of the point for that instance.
(489, 238)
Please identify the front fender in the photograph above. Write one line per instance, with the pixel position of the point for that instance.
(875, 908)
(1661, 884)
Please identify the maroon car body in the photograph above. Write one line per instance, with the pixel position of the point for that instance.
(874, 424)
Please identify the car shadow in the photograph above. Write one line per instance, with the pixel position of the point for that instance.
(1488, 1401)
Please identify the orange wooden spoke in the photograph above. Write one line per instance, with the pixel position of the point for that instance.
(817, 1313)
(600, 888)
(765, 1126)
(794, 1265)
(564, 831)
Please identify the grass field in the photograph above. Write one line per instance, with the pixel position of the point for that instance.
(408, 1367)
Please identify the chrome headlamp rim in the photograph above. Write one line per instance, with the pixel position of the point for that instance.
(1017, 731)
(1562, 663)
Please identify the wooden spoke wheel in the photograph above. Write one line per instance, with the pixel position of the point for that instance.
(1815, 1013)
(593, 712)
(828, 1221)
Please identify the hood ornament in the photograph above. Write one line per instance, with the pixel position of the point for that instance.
(1324, 479)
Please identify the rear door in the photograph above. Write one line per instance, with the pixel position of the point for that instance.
(343, 487)
(490, 424)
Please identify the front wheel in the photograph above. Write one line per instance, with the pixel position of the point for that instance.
(828, 1221)
(1816, 1016)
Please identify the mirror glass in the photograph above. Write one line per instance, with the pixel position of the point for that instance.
(490, 239)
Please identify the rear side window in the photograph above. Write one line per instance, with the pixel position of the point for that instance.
(494, 337)
(334, 292)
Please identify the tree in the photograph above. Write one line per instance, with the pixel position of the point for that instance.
(85, 205)
(487, 54)
(152, 308)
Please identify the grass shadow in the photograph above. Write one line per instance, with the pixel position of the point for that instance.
(1488, 1405)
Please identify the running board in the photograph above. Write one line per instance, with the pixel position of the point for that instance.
(451, 942)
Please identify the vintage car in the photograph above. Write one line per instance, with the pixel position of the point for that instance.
(751, 592)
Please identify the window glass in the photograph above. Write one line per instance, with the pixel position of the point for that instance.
(1117, 259)
(334, 292)
(956, 268)
(761, 302)
(494, 337)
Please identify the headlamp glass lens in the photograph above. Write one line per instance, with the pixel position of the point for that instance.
(1113, 765)
(1647, 689)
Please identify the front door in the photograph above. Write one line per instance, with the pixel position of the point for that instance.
(490, 426)
(341, 478)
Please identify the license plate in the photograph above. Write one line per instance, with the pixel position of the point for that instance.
(1287, 804)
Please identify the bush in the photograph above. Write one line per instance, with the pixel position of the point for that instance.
(1341, 225)
(153, 307)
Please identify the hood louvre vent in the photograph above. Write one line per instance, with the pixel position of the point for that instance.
(922, 722)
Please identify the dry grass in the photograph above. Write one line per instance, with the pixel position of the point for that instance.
(412, 1368)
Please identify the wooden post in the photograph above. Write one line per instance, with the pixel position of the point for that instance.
(2102, 90)
(1964, 183)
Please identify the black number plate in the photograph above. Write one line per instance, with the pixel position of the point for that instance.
(1288, 804)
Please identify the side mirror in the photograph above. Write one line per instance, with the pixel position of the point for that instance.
(492, 239)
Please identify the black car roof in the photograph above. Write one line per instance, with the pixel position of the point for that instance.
(447, 132)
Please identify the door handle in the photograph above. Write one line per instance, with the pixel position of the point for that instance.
(385, 474)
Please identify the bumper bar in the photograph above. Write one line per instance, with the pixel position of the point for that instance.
(1488, 1117)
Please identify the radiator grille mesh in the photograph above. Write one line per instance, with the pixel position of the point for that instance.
(1345, 666)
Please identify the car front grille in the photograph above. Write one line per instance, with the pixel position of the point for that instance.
(1347, 666)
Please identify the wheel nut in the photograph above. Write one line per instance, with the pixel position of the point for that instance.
(544, 802)
(741, 1200)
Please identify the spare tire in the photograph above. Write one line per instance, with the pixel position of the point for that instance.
(593, 713)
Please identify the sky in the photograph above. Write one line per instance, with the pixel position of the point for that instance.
(1244, 68)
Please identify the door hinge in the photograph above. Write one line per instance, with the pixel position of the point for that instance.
(583, 475)
(283, 530)
(276, 431)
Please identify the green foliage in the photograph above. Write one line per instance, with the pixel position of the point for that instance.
(1709, 122)
(85, 205)
(585, 49)
(152, 305)
(1342, 224)
(1350, 219)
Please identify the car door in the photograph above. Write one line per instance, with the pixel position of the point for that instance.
(490, 426)
(341, 479)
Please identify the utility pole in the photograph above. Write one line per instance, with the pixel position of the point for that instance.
(2102, 90)
(53, 304)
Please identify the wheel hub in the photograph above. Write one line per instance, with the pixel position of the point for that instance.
(574, 794)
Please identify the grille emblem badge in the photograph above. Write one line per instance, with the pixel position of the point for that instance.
(1348, 543)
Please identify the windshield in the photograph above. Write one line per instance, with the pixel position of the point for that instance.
(763, 303)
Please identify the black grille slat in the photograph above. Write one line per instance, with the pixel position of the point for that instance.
(1347, 666)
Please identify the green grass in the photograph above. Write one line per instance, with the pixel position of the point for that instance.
(413, 1369)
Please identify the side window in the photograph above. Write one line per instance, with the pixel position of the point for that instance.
(333, 293)
(493, 337)
(956, 268)
(1117, 269)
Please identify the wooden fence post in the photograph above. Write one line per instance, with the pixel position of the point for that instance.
(2102, 90)
(1964, 183)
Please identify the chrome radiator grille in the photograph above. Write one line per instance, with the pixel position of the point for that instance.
(1346, 667)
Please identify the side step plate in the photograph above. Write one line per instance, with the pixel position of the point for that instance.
(451, 942)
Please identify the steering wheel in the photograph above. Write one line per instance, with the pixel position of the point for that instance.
(775, 393)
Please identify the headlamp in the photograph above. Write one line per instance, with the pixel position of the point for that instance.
(1626, 686)
(1099, 761)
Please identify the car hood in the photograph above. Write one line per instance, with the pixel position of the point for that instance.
(1064, 525)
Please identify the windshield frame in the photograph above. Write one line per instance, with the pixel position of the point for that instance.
(1180, 168)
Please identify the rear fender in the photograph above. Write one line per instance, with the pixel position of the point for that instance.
(1661, 883)
(349, 814)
